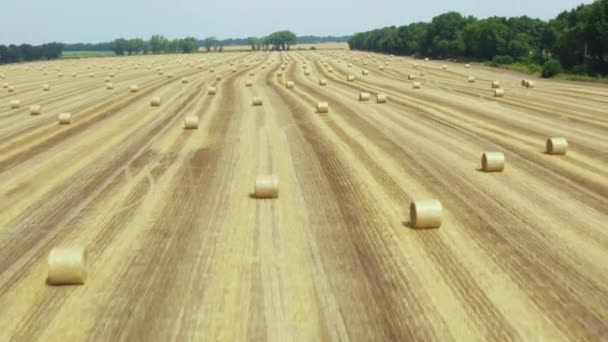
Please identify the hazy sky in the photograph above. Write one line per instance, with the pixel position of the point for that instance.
(38, 21)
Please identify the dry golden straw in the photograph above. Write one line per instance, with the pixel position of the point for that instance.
(557, 146)
(289, 84)
(364, 96)
(350, 78)
(471, 79)
(381, 98)
(211, 90)
(322, 82)
(425, 214)
(155, 101)
(191, 122)
(46, 87)
(493, 161)
(36, 110)
(134, 88)
(499, 92)
(496, 84)
(109, 85)
(15, 104)
(416, 85)
(248, 83)
(266, 186)
(322, 107)
(67, 266)
(257, 101)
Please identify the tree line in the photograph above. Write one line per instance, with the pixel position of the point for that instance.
(27, 52)
(576, 40)
(280, 40)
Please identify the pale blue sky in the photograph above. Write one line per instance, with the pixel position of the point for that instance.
(38, 21)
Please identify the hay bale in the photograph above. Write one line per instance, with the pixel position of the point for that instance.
(350, 65)
(416, 85)
(211, 90)
(191, 122)
(249, 83)
(279, 74)
(5, 85)
(211, 70)
(36, 110)
(14, 104)
(67, 266)
(499, 92)
(557, 146)
(107, 79)
(11, 89)
(322, 107)
(530, 84)
(307, 73)
(350, 78)
(109, 85)
(363, 96)
(46, 87)
(467, 66)
(169, 75)
(65, 118)
(493, 161)
(496, 84)
(251, 74)
(444, 67)
(134, 88)
(425, 214)
(364, 72)
(381, 67)
(184, 80)
(381, 98)
(426, 59)
(257, 101)
(322, 82)
(524, 83)
(411, 77)
(74, 74)
(266, 186)
(471, 79)
(155, 101)
(289, 84)
(218, 78)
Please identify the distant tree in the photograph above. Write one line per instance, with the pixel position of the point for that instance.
(282, 40)
(209, 43)
(158, 44)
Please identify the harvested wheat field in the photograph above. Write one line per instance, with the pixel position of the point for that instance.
(354, 220)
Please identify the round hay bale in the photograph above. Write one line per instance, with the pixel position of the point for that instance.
(499, 92)
(426, 59)
(307, 73)
(350, 65)
(211, 90)
(322, 82)
(444, 67)
(155, 101)
(191, 122)
(289, 84)
(14, 104)
(381, 67)
(74, 74)
(416, 85)
(530, 84)
(524, 83)
(59, 74)
(251, 74)
(557, 146)
(36, 110)
(381, 98)
(363, 96)
(350, 78)
(496, 84)
(169, 75)
(411, 77)
(5, 85)
(67, 266)
(107, 79)
(46, 87)
(279, 73)
(468, 66)
(109, 85)
(425, 214)
(11, 89)
(184, 80)
(266, 186)
(471, 79)
(322, 107)
(364, 72)
(65, 118)
(257, 101)
(211, 70)
(493, 161)
(218, 78)
(248, 83)
(134, 88)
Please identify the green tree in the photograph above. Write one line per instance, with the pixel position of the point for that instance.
(209, 42)
(158, 44)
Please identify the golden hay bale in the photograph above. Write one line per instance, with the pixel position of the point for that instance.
(218, 78)
(107, 79)
(257, 101)
(109, 85)
(155, 101)
(266, 186)
(381, 67)
(184, 80)
(524, 83)
(14, 104)
(134, 88)
(416, 85)
(557, 146)
(322, 107)
(46, 87)
(496, 84)
(11, 89)
(67, 266)
(36, 110)
(65, 118)
(364, 72)
(530, 84)
(425, 214)
(248, 83)
(169, 75)
(350, 65)
(212, 70)
(381, 98)
(411, 77)
(467, 66)
(289, 84)
(364, 63)
(363, 96)
(5, 85)
(493, 161)
(322, 82)
(191, 122)
(279, 73)
(350, 78)
(307, 73)
(74, 74)
(444, 67)
(59, 74)
(426, 59)
(499, 92)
